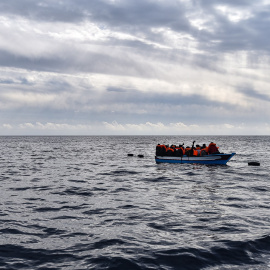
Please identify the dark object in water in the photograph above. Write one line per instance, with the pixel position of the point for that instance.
(140, 156)
(130, 155)
(254, 163)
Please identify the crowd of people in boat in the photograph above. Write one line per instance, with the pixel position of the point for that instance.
(180, 150)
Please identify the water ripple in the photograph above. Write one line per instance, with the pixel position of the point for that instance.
(81, 203)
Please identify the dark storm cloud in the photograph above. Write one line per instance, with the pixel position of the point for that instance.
(18, 81)
(254, 94)
(139, 17)
(135, 17)
(250, 33)
(142, 14)
(115, 89)
(45, 63)
(133, 13)
(8, 81)
(48, 10)
(161, 99)
(76, 60)
(171, 107)
(210, 3)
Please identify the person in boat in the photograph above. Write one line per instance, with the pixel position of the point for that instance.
(191, 151)
(198, 149)
(170, 151)
(160, 150)
(187, 150)
(182, 148)
(204, 150)
(212, 149)
(179, 151)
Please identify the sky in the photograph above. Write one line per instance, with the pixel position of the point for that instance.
(134, 67)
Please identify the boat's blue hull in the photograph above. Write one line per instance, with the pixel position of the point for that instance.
(215, 159)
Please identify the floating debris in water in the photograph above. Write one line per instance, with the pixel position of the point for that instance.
(254, 163)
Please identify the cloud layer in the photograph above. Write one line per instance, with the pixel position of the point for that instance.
(83, 66)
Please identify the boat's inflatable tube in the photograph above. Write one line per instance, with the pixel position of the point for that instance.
(214, 159)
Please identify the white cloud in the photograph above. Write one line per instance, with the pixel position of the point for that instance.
(53, 126)
(27, 126)
(7, 126)
(182, 129)
(234, 14)
(148, 128)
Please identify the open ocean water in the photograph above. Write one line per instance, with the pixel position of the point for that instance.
(82, 203)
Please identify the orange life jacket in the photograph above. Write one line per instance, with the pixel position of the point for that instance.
(183, 149)
(193, 153)
(204, 151)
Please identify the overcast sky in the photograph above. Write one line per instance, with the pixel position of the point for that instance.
(156, 67)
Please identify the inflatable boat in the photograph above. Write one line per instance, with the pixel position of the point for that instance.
(212, 159)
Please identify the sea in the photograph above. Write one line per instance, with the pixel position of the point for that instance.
(80, 202)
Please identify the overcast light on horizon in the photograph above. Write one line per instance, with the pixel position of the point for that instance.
(134, 67)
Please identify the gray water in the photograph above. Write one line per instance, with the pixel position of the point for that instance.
(82, 203)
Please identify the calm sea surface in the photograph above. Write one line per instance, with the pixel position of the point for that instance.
(82, 203)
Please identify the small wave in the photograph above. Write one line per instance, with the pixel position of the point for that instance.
(77, 181)
(95, 212)
(20, 188)
(47, 209)
(261, 189)
(36, 179)
(64, 217)
(235, 199)
(121, 190)
(158, 179)
(196, 258)
(99, 189)
(42, 188)
(55, 209)
(50, 157)
(190, 173)
(75, 191)
(123, 172)
(40, 232)
(166, 227)
(115, 263)
(35, 157)
(18, 257)
(255, 246)
(53, 231)
(106, 243)
(10, 231)
(188, 259)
